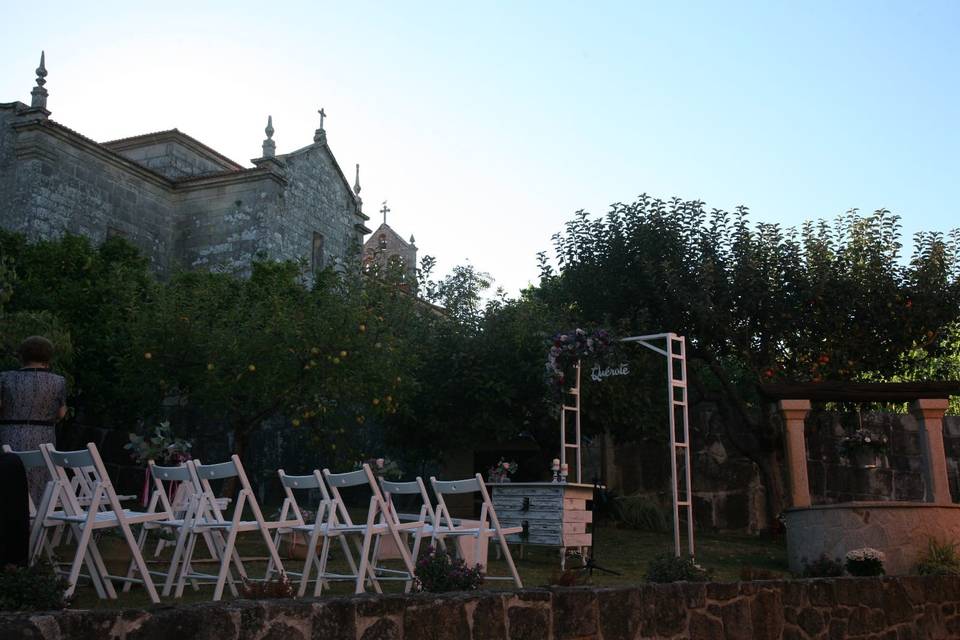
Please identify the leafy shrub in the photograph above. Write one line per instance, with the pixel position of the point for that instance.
(824, 567)
(939, 559)
(437, 572)
(670, 568)
(640, 512)
(864, 562)
(278, 587)
(36, 588)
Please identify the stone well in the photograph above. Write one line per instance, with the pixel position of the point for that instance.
(899, 529)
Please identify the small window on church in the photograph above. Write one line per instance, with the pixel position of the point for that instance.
(383, 241)
(316, 255)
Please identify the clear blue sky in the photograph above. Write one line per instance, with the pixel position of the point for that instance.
(486, 126)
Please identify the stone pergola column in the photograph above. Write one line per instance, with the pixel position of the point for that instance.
(794, 413)
(929, 413)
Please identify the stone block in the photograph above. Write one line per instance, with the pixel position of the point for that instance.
(436, 619)
(574, 612)
(766, 614)
(528, 623)
(488, 618)
(619, 613)
(334, 619)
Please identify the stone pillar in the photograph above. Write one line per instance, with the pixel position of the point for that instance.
(929, 413)
(794, 413)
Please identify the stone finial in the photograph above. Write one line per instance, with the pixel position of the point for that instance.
(385, 210)
(39, 94)
(412, 240)
(320, 135)
(356, 183)
(269, 146)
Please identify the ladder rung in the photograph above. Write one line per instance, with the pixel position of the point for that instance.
(566, 408)
(679, 403)
(680, 444)
(683, 503)
(678, 383)
(571, 446)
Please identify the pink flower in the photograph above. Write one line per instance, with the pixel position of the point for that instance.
(380, 462)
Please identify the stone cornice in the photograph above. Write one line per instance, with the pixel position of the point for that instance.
(79, 141)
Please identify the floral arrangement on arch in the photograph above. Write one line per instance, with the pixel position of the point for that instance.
(567, 348)
(501, 471)
(863, 440)
(161, 446)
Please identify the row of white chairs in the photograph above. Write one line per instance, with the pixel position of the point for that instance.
(185, 508)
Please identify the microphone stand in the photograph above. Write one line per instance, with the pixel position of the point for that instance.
(590, 565)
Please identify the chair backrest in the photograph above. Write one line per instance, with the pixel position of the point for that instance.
(469, 485)
(337, 481)
(413, 487)
(290, 484)
(202, 475)
(174, 496)
(94, 487)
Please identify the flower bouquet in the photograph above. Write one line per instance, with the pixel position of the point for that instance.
(864, 562)
(161, 446)
(501, 471)
(382, 468)
(567, 348)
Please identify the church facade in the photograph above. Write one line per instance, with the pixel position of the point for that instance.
(182, 203)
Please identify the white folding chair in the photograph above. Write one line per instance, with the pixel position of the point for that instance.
(207, 516)
(103, 512)
(32, 460)
(426, 517)
(378, 523)
(313, 530)
(487, 529)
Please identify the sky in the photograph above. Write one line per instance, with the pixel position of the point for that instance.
(486, 126)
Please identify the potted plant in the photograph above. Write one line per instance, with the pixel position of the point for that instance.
(864, 562)
(864, 447)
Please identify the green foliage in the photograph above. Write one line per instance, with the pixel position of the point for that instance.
(93, 294)
(242, 351)
(824, 567)
(640, 512)
(671, 568)
(159, 445)
(940, 559)
(437, 572)
(36, 588)
(757, 303)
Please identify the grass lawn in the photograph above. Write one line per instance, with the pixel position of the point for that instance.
(623, 550)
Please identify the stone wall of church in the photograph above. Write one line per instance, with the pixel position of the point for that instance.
(54, 185)
(170, 160)
(316, 201)
(226, 224)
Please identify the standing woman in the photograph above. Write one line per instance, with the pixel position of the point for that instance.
(32, 400)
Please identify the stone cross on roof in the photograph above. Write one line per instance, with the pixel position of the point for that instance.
(323, 115)
(320, 135)
(385, 211)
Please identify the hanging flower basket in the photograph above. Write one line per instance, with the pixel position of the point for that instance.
(864, 448)
(567, 348)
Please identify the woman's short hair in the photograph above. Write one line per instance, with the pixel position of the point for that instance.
(35, 349)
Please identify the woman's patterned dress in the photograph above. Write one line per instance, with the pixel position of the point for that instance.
(30, 400)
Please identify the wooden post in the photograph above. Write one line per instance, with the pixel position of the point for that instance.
(929, 412)
(794, 413)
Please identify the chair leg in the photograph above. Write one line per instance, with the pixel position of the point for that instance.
(78, 559)
(324, 556)
(141, 542)
(509, 558)
(141, 563)
(185, 566)
(173, 569)
(225, 563)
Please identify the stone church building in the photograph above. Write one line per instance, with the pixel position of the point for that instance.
(184, 204)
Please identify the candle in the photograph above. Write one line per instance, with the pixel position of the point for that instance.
(556, 464)
(564, 468)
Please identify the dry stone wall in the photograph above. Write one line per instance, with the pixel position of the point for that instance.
(869, 608)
